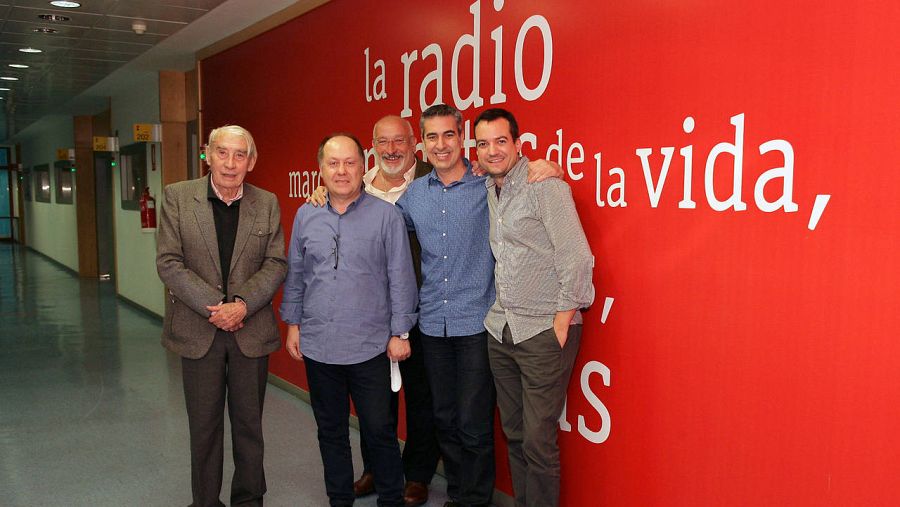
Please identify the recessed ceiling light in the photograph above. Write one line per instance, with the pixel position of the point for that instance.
(31, 50)
(65, 4)
(44, 29)
(19, 65)
(54, 17)
(9, 78)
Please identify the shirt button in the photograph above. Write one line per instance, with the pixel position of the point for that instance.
(443, 211)
(499, 220)
(445, 190)
(443, 234)
(445, 301)
(445, 279)
(445, 256)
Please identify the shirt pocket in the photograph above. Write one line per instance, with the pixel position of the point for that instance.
(363, 256)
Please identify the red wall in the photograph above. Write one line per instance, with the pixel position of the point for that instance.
(747, 358)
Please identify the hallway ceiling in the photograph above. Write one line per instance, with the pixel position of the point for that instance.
(79, 47)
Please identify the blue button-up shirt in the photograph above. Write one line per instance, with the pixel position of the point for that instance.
(350, 283)
(452, 225)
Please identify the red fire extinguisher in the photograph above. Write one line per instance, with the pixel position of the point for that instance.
(148, 211)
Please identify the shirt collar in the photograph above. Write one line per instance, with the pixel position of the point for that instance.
(466, 177)
(408, 176)
(355, 204)
(213, 193)
(515, 177)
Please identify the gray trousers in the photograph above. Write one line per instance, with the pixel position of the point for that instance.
(531, 379)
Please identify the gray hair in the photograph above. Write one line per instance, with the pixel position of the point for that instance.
(441, 110)
(236, 131)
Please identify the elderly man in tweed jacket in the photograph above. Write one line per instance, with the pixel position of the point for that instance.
(221, 257)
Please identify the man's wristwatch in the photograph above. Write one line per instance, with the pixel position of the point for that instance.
(404, 336)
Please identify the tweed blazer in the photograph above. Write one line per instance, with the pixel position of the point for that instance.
(187, 261)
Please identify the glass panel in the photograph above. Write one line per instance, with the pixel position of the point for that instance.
(65, 181)
(42, 183)
(133, 174)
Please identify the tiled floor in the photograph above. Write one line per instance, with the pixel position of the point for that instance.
(91, 407)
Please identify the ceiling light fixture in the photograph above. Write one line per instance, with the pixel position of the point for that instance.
(30, 50)
(44, 29)
(4, 89)
(19, 65)
(65, 4)
(9, 78)
(139, 26)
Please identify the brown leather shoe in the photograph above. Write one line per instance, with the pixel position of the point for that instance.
(365, 485)
(415, 493)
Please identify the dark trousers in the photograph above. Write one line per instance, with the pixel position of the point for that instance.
(421, 453)
(225, 371)
(532, 378)
(331, 386)
(462, 392)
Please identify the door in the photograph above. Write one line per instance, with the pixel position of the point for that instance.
(106, 239)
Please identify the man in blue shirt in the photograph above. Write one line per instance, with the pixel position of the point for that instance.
(448, 211)
(351, 288)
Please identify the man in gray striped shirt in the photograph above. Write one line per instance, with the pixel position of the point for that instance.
(543, 277)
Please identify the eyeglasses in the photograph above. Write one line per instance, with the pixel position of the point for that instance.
(336, 249)
(399, 142)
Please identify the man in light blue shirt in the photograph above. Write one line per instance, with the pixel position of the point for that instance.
(448, 211)
(351, 289)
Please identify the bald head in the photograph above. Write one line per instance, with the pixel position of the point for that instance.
(395, 145)
(391, 123)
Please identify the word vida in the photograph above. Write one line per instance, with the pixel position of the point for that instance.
(432, 55)
(781, 177)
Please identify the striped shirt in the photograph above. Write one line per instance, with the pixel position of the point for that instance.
(543, 261)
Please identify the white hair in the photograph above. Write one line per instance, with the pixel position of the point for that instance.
(236, 131)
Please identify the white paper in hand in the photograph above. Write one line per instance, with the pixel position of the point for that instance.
(396, 381)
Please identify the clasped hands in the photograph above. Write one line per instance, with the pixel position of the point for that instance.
(228, 316)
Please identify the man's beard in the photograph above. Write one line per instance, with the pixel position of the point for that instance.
(390, 171)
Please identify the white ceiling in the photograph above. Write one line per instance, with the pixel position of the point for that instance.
(97, 52)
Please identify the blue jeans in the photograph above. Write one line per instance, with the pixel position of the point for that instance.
(330, 388)
(462, 391)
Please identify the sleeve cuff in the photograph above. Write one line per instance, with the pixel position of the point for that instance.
(291, 312)
(402, 323)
